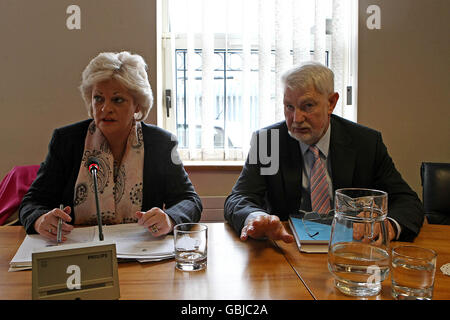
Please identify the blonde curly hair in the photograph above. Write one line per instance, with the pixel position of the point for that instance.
(129, 69)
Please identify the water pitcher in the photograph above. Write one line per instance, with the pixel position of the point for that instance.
(358, 255)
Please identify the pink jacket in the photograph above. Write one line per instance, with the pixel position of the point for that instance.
(13, 187)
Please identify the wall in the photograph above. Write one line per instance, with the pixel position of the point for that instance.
(41, 62)
(404, 81)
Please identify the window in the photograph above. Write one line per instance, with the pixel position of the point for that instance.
(223, 59)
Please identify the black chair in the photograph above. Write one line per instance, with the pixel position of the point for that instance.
(436, 191)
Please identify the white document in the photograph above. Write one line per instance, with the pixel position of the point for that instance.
(34, 242)
(132, 242)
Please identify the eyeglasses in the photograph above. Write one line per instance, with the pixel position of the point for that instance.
(313, 220)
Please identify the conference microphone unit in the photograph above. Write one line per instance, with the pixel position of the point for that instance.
(93, 165)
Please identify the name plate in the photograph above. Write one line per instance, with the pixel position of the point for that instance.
(76, 271)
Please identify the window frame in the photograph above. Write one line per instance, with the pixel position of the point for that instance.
(167, 53)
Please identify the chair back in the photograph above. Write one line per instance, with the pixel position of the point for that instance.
(12, 189)
(436, 191)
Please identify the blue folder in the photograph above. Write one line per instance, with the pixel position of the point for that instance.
(320, 232)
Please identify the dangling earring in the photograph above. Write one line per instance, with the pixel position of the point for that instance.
(136, 113)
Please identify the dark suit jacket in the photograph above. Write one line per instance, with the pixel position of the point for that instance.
(164, 183)
(358, 158)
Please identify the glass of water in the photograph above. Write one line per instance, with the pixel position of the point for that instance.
(358, 255)
(191, 245)
(413, 270)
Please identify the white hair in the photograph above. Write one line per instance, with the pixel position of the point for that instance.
(129, 69)
(309, 74)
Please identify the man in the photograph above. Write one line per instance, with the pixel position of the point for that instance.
(312, 142)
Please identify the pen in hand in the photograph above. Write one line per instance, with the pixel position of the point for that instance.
(59, 230)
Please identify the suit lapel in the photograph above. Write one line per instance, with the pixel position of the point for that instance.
(149, 182)
(291, 164)
(343, 156)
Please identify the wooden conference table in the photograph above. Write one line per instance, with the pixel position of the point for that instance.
(236, 271)
(312, 268)
(251, 270)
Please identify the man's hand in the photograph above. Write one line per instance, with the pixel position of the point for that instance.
(268, 226)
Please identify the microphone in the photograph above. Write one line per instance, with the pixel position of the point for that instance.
(93, 165)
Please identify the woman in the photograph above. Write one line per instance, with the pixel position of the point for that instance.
(138, 181)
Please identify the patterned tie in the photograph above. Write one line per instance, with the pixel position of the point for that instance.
(320, 199)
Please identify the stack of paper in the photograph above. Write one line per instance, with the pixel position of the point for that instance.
(132, 242)
(135, 242)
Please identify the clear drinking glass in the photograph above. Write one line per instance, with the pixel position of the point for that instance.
(413, 269)
(358, 255)
(191, 245)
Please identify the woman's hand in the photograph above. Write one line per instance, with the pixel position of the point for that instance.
(47, 224)
(156, 221)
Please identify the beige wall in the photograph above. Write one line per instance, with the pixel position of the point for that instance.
(403, 76)
(404, 82)
(41, 63)
(213, 182)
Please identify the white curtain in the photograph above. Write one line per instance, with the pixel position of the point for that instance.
(190, 84)
(269, 36)
(338, 51)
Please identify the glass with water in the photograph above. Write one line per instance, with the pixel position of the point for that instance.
(191, 245)
(358, 255)
(413, 269)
